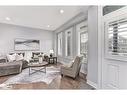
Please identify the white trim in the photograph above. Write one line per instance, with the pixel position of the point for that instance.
(93, 84)
(100, 47)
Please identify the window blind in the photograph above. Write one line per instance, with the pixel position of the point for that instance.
(117, 36)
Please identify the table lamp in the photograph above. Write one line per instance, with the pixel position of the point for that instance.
(51, 53)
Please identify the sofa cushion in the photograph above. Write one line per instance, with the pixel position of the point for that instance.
(19, 57)
(11, 58)
(35, 56)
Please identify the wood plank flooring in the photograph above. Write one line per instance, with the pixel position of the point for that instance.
(58, 83)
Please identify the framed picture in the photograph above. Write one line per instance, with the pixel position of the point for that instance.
(26, 44)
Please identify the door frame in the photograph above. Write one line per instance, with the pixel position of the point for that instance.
(101, 41)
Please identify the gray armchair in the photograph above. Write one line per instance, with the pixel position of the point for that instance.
(74, 70)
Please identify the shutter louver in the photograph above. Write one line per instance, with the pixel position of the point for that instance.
(117, 37)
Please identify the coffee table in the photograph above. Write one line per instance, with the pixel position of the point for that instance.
(41, 67)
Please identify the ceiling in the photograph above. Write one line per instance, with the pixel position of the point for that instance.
(42, 17)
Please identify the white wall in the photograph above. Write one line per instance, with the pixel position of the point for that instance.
(8, 33)
(92, 77)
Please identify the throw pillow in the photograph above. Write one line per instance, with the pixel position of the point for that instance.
(11, 58)
(19, 57)
(35, 56)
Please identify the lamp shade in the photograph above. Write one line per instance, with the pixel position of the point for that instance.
(51, 51)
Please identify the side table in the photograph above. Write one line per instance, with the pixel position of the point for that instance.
(54, 60)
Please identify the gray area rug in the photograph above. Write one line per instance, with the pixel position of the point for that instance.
(51, 73)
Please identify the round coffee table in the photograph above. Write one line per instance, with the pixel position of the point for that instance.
(41, 67)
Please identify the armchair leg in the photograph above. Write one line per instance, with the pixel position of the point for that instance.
(78, 74)
(74, 78)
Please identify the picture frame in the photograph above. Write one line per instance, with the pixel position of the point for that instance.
(26, 44)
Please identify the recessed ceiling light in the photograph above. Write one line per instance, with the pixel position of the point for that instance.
(61, 11)
(7, 18)
(48, 25)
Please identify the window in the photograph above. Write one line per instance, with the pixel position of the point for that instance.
(83, 43)
(68, 42)
(60, 43)
(82, 34)
(109, 9)
(117, 37)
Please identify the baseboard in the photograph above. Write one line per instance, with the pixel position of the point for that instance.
(92, 84)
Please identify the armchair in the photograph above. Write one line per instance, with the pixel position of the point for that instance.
(73, 70)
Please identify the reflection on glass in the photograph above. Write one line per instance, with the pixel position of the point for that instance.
(69, 46)
(60, 44)
(83, 43)
(108, 9)
(68, 43)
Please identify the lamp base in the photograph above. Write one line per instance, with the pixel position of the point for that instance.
(51, 55)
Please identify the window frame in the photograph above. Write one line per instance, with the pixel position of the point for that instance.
(108, 19)
(66, 36)
(79, 32)
(85, 32)
(59, 35)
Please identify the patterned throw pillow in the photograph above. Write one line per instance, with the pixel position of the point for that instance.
(11, 58)
(19, 57)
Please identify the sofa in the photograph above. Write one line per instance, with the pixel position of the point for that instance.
(10, 68)
(14, 67)
(24, 62)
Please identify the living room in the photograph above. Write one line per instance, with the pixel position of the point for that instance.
(63, 47)
(34, 35)
(58, 47)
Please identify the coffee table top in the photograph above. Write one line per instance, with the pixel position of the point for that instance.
(38, 65)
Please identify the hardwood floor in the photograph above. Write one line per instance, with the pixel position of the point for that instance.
(58, 83)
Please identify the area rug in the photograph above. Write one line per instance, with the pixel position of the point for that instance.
(24, 77)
